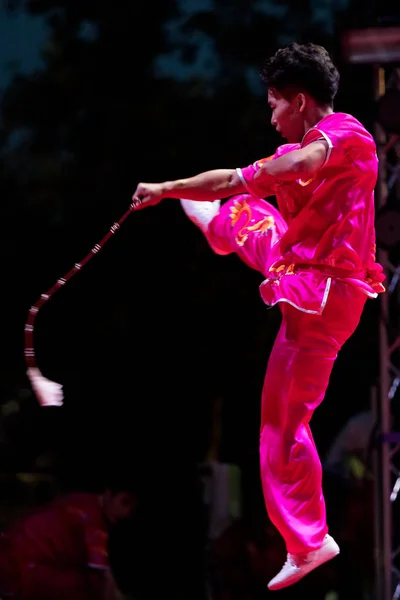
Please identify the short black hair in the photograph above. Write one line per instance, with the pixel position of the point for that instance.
(302, 66)
(122, 478)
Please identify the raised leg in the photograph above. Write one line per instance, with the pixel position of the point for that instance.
(251, 228)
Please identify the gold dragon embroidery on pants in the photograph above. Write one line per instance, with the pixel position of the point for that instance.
(242, 208)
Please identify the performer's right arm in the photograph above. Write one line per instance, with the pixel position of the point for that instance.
(207, 186)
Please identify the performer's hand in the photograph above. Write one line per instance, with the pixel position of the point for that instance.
(148, 194)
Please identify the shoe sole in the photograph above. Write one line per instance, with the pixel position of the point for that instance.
(300, 574)
(192, 217)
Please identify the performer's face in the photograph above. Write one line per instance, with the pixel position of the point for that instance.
(118, 506)
(287, 117)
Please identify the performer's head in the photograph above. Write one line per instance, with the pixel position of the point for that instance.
(302, 82)
(119, 499)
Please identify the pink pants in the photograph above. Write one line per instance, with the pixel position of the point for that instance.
(296, 380)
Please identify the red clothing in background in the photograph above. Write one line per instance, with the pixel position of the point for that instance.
(55, 552)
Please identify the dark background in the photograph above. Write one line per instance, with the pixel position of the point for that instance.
(156, 328)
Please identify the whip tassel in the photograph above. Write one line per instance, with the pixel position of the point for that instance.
(47, 392)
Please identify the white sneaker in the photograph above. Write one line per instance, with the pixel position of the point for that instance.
(201, 214)
(299, 565)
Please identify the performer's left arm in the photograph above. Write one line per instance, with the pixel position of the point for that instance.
(297, 164)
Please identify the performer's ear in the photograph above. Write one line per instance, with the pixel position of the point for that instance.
(301, 102)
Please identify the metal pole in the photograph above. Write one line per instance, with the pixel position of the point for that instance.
(383, 478)
(376, 467)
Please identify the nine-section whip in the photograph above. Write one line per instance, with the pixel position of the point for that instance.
(50, 393)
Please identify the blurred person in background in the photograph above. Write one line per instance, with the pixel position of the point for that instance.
(59, 551)
(349, 454)
(317, 255)
(349, 489)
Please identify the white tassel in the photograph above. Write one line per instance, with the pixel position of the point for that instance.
(48, 393)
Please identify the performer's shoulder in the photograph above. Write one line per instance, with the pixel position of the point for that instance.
(80, 504)
(344, 129)
(343, 121)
